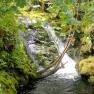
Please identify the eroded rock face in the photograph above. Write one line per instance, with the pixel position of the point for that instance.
(38, 45)
(86, 67)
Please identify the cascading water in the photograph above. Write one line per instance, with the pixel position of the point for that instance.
(63, 81)
(69, 70)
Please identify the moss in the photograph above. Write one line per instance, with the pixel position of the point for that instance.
(21, 59)
(8, 83)
(91, 79)
(47, 51)
(86, 67)
(15, 66)
(34, 14)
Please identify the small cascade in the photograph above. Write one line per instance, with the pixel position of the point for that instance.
(28, 39)
(69, 70)
(65, 80)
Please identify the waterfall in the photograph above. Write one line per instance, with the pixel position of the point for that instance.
(65, 80)
(69, 70)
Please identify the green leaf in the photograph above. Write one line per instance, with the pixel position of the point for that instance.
(20, 3)
(37, 24)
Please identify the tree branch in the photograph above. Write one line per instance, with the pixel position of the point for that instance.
(58, 60)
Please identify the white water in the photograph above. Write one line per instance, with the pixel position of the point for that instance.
(69, 70)
(54, 84)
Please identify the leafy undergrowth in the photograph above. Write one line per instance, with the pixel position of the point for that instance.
(34, 13)
(15, 66)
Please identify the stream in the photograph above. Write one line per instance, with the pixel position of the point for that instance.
(55, 85)
(66, 80)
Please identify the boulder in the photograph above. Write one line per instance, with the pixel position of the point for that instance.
(86, 67)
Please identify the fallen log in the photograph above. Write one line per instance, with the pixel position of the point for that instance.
(52, 68)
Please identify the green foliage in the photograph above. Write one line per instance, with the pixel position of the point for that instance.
(91, 79)
(63, 9)
(37, 24)
(20, 3)
(8, 83)
(67, 9)
(15, 66)
(77, 16)
(86, 43)
(8, 21)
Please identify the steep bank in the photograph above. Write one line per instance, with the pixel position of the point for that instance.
(15, 66)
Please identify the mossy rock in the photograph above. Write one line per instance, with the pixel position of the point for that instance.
(46, 51)
(91, 79)
(86, 67)
(46, 56)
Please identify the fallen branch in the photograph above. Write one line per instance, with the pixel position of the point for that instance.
(58, 60)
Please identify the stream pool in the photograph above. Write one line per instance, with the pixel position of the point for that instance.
(55, 85)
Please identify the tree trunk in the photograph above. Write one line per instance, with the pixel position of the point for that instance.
(42, 5)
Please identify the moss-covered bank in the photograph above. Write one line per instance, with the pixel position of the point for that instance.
(15, 66)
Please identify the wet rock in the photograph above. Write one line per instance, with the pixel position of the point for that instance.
(86, 67)
(37, 43)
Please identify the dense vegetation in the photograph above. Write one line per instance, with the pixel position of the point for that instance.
(66, 16)
(15, 66)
